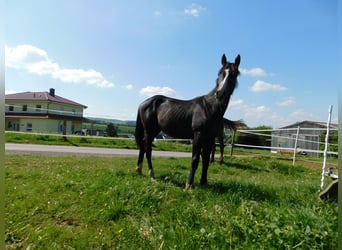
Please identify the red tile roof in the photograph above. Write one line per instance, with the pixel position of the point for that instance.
(41, 96)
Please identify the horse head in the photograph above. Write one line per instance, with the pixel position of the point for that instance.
(227, 78)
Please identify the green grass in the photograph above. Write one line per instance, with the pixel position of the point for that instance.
(122, 129)
(101, 203)
(88, 141)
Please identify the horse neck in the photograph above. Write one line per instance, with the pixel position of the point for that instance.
(217, 105)
(222, 105)
(223, 100)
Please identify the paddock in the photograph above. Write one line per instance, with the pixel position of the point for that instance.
(253, 200)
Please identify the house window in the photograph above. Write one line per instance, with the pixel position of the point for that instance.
(24, 107)
(10, 108)
(73, 112)
(38, 107)
(16, 126)
(29, 126)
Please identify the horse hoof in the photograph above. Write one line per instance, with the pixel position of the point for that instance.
(187, 186)
(138, 170)
(151, 174)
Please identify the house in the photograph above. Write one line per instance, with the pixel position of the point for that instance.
(308, 138)
(43, 112)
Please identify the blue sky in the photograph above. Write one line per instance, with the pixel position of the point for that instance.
(111, 55)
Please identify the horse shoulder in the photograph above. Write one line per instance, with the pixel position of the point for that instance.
(198, 117)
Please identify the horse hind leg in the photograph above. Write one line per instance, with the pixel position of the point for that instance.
(221, 150)
(145, 149)
(212, 157)
(140, 160)
(148, 149)
(149, 162)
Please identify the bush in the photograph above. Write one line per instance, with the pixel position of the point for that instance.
(111, 130)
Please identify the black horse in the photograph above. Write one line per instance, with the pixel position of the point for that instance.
(197, 119)
(228, 124)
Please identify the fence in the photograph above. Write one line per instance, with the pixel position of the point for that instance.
(288, 140)
(298, 141)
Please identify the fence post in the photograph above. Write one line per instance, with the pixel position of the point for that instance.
(326, 147)
(232, 143)
(295, 147)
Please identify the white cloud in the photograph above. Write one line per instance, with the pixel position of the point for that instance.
(129, 87)
(300, 115)
(253, 115)
(288, 101)
(253, 72)
(157, 90)
(194, 10)
(256, 115)
(23, 56)
(236, 103)
(260, 86)
(257, 112)
(9, 91)
(36, 61)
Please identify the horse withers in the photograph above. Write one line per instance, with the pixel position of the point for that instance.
(198, 119)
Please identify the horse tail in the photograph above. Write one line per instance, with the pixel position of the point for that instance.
(139, 131)
(233, 125)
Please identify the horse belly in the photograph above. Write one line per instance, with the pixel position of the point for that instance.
(175, 119)
(178, 129)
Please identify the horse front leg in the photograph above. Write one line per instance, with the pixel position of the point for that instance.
(212, 157)
(205, 162)
(221, 149)
(196, 153)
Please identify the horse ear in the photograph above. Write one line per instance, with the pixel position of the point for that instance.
(224, 60)
(237, 60)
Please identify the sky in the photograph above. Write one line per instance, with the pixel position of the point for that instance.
(112, 55)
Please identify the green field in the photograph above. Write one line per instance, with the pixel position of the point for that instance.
(91, 141)
(251, 202)
(122, 128)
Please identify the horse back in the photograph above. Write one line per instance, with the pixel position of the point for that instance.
(177, 118)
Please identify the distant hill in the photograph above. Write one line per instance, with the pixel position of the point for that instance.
(114, 121)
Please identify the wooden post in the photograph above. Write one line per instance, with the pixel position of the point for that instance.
(232, 143)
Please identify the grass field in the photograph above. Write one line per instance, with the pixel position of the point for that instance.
(256, 202)
(89, 141)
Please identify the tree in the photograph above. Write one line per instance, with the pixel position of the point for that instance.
(333, 140)
(111, 130)
(253, 139)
